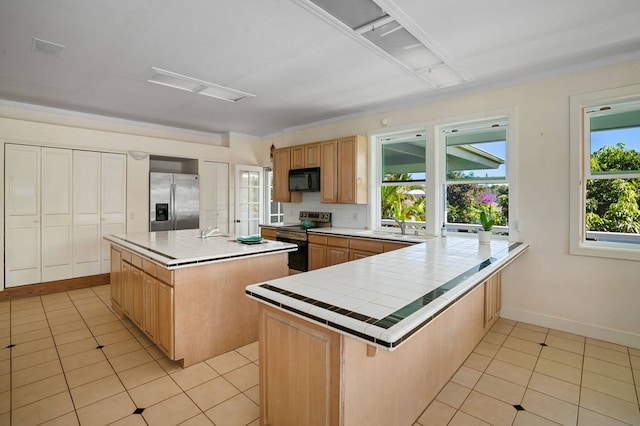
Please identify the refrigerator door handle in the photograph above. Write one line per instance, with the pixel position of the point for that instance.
(172, 206)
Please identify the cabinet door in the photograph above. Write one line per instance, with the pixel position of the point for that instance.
(127, 289)
(352, 170)
(86, 213)
(150, 306)
(492, 299)
(359, 254)
(317, 256)
(165, 340)
(22, 215)
(329, 172)
(336, 255)
(57, 218)
(113, 196)
(312, 155)
(136, 282)
(116, 277)
(281, 167)
(297, 157)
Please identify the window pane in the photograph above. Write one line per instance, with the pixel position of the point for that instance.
(463, 206)
(402, 202)
(477, 155)
(403, 161)
(612, 208)
(615, 150)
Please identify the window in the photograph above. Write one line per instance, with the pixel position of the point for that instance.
(606, 151)
(275, 210)
(401, 180)
(476, 165)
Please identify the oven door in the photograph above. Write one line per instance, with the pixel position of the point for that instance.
(298, 258)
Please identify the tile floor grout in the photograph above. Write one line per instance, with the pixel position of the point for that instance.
(564, 381)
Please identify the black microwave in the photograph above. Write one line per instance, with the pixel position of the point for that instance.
(307, 180)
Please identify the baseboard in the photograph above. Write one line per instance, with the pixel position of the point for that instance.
(53, 287)
(583, 329)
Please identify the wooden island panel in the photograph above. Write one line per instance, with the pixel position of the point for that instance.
(312, 375)
(193, 313)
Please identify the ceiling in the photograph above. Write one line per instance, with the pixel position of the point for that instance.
(302, 65)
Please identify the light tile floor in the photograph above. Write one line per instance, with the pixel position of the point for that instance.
(72, 361)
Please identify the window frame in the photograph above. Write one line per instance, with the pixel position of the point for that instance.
(469, 126)
(435, 167)
(580, 172)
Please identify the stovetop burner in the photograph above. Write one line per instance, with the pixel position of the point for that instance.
(307, 220)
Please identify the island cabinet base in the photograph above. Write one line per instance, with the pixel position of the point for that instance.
(314, 376)
(194, 313)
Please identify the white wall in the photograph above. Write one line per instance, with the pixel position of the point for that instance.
(547, 286)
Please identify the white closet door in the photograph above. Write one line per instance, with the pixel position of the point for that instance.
(86, 213)
(57, 241)
(22, 215)
(214, 190)
(113, 202)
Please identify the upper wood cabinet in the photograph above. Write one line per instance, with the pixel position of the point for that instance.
(297, 157)
(329, 172)
(344, 171)
(305, 156)
(281, 167)
(312, 155)
(352, 170)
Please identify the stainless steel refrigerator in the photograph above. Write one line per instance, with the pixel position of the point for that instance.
(174, 200)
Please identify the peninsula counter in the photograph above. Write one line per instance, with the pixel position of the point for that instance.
(372, 341)
(186, 293)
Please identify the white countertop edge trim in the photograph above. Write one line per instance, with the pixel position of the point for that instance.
(424, 315)
(169, 262)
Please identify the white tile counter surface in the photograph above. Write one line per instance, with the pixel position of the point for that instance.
(184, 248)
(384, 299)
(368, 233)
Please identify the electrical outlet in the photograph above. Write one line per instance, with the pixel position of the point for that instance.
(356, 217)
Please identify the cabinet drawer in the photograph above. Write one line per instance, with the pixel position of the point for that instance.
(390, 246)
(164, 275)
(268, 233)
(317, 239)
(136, 261)
(126, 256)
(338, 242)
(373, 246)
(149, 267)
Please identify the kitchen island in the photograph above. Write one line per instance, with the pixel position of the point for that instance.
(186, 293)
(372, 341)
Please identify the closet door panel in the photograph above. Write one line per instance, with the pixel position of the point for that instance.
(22, 215)
(86, 213)
(113, 195)
(57, 242)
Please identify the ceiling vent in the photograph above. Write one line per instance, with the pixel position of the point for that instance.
(368, 20)
(190, 84)
(47, 47)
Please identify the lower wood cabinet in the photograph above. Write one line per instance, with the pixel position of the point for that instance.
(195, 313)
(165, 336)
(150, 306)
(299, 372)
(331, 250)
(268, 233)
(492, 299)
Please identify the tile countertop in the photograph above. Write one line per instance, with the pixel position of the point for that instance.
(368, 233)
(185, 248)
(384, 299)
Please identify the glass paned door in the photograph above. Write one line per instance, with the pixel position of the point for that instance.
(248, 199)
